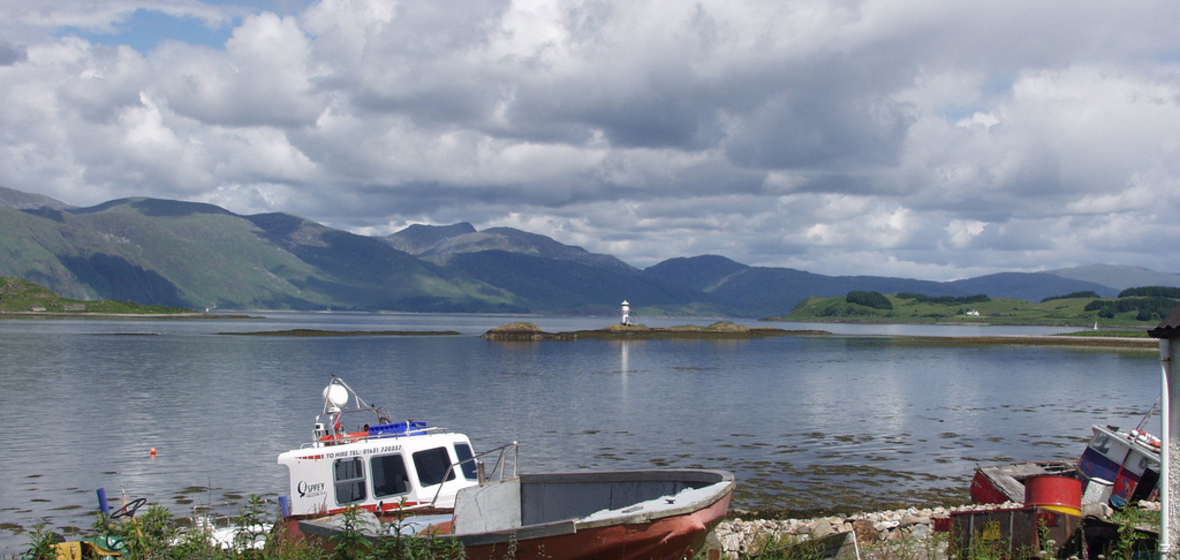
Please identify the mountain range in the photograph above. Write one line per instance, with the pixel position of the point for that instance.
(168, 252)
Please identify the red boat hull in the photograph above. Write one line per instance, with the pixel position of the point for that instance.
(984, 491)
(625, 515)
(670, 538)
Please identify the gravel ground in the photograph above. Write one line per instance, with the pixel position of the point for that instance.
(906, 534)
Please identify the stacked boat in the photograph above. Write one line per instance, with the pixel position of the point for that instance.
(1117, 467)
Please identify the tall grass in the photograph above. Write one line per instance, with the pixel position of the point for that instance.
(157, 535)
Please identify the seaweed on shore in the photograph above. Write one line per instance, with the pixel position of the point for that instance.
(1023, 340)
(722, 330)
(321, 332)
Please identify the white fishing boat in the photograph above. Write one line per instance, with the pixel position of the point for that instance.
(407, 478)
(358, 457)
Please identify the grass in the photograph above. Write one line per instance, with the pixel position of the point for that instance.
(321, 333)
(22, 296)
(1108, 334)
(1003, 311)
(156, 535)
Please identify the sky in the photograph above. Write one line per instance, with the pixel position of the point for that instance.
(931, 139)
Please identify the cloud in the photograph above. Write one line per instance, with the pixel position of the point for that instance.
(263, 77)
(918, 138)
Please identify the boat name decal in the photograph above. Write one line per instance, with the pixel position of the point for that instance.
(352, 453)
(310, 490)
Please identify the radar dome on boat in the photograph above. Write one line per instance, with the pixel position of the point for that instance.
(336, 395)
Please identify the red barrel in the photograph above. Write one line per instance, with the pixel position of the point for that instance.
(1057, 493)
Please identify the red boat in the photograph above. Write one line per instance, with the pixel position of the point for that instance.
(998, 484)
(1123, 467)
(406, 479)
(654, 514)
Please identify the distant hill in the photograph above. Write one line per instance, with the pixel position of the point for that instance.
(972, 311)
(194, 255)
(25, 201)
(440, 243)
(776, 291)
(421, 239)
(1029, 286)
(198, 255)
(572, 287)
(1119, 277)
(20, 296)
(705, 273)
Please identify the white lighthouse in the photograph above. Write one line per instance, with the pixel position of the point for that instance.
(626, 313)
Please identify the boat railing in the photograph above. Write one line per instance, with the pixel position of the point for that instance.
(341, 437)
(500, 466)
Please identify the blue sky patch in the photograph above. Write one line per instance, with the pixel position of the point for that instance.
(147, 29)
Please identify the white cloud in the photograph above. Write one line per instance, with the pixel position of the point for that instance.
(264, 77)
(913, 138)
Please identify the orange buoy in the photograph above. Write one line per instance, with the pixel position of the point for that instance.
(153, 453)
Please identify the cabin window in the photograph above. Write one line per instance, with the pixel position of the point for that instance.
(350, 480)
(432, 465)
(466, 463)
(1101, 444)
(389, 476)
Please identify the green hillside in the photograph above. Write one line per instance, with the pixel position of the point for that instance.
(905, 308)
(195, 255)
(18, 295)
(184, 254)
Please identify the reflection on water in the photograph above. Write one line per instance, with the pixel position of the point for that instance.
(806, 423)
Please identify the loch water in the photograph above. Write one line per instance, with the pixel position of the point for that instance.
(848, 422)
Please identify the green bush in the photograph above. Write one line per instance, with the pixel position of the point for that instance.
(1146, 308)
(1074, 295)
(944, 300)
(876, 300)
(1151, 291)
(41, 543)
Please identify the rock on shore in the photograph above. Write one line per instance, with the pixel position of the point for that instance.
(718, 330)
(913, 527)
(737, 537)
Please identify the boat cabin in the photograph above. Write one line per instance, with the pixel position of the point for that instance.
(378, 467)
(1128, 461)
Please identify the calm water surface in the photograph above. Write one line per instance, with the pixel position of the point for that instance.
(848, 422)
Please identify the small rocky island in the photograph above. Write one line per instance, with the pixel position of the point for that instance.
(721, 330)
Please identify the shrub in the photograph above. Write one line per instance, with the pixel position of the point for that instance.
(1074, 295)
(1146, 308)
(944, 300)
(876, 300)
(41, 543)
(1151, 291)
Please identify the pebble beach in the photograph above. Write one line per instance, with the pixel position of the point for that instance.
(907, 533)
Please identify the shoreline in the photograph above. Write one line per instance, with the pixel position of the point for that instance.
(877, 533)
(74, 315)
(511, 332)
(1094, 342)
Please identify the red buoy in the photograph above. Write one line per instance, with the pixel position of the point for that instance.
(153, 453)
